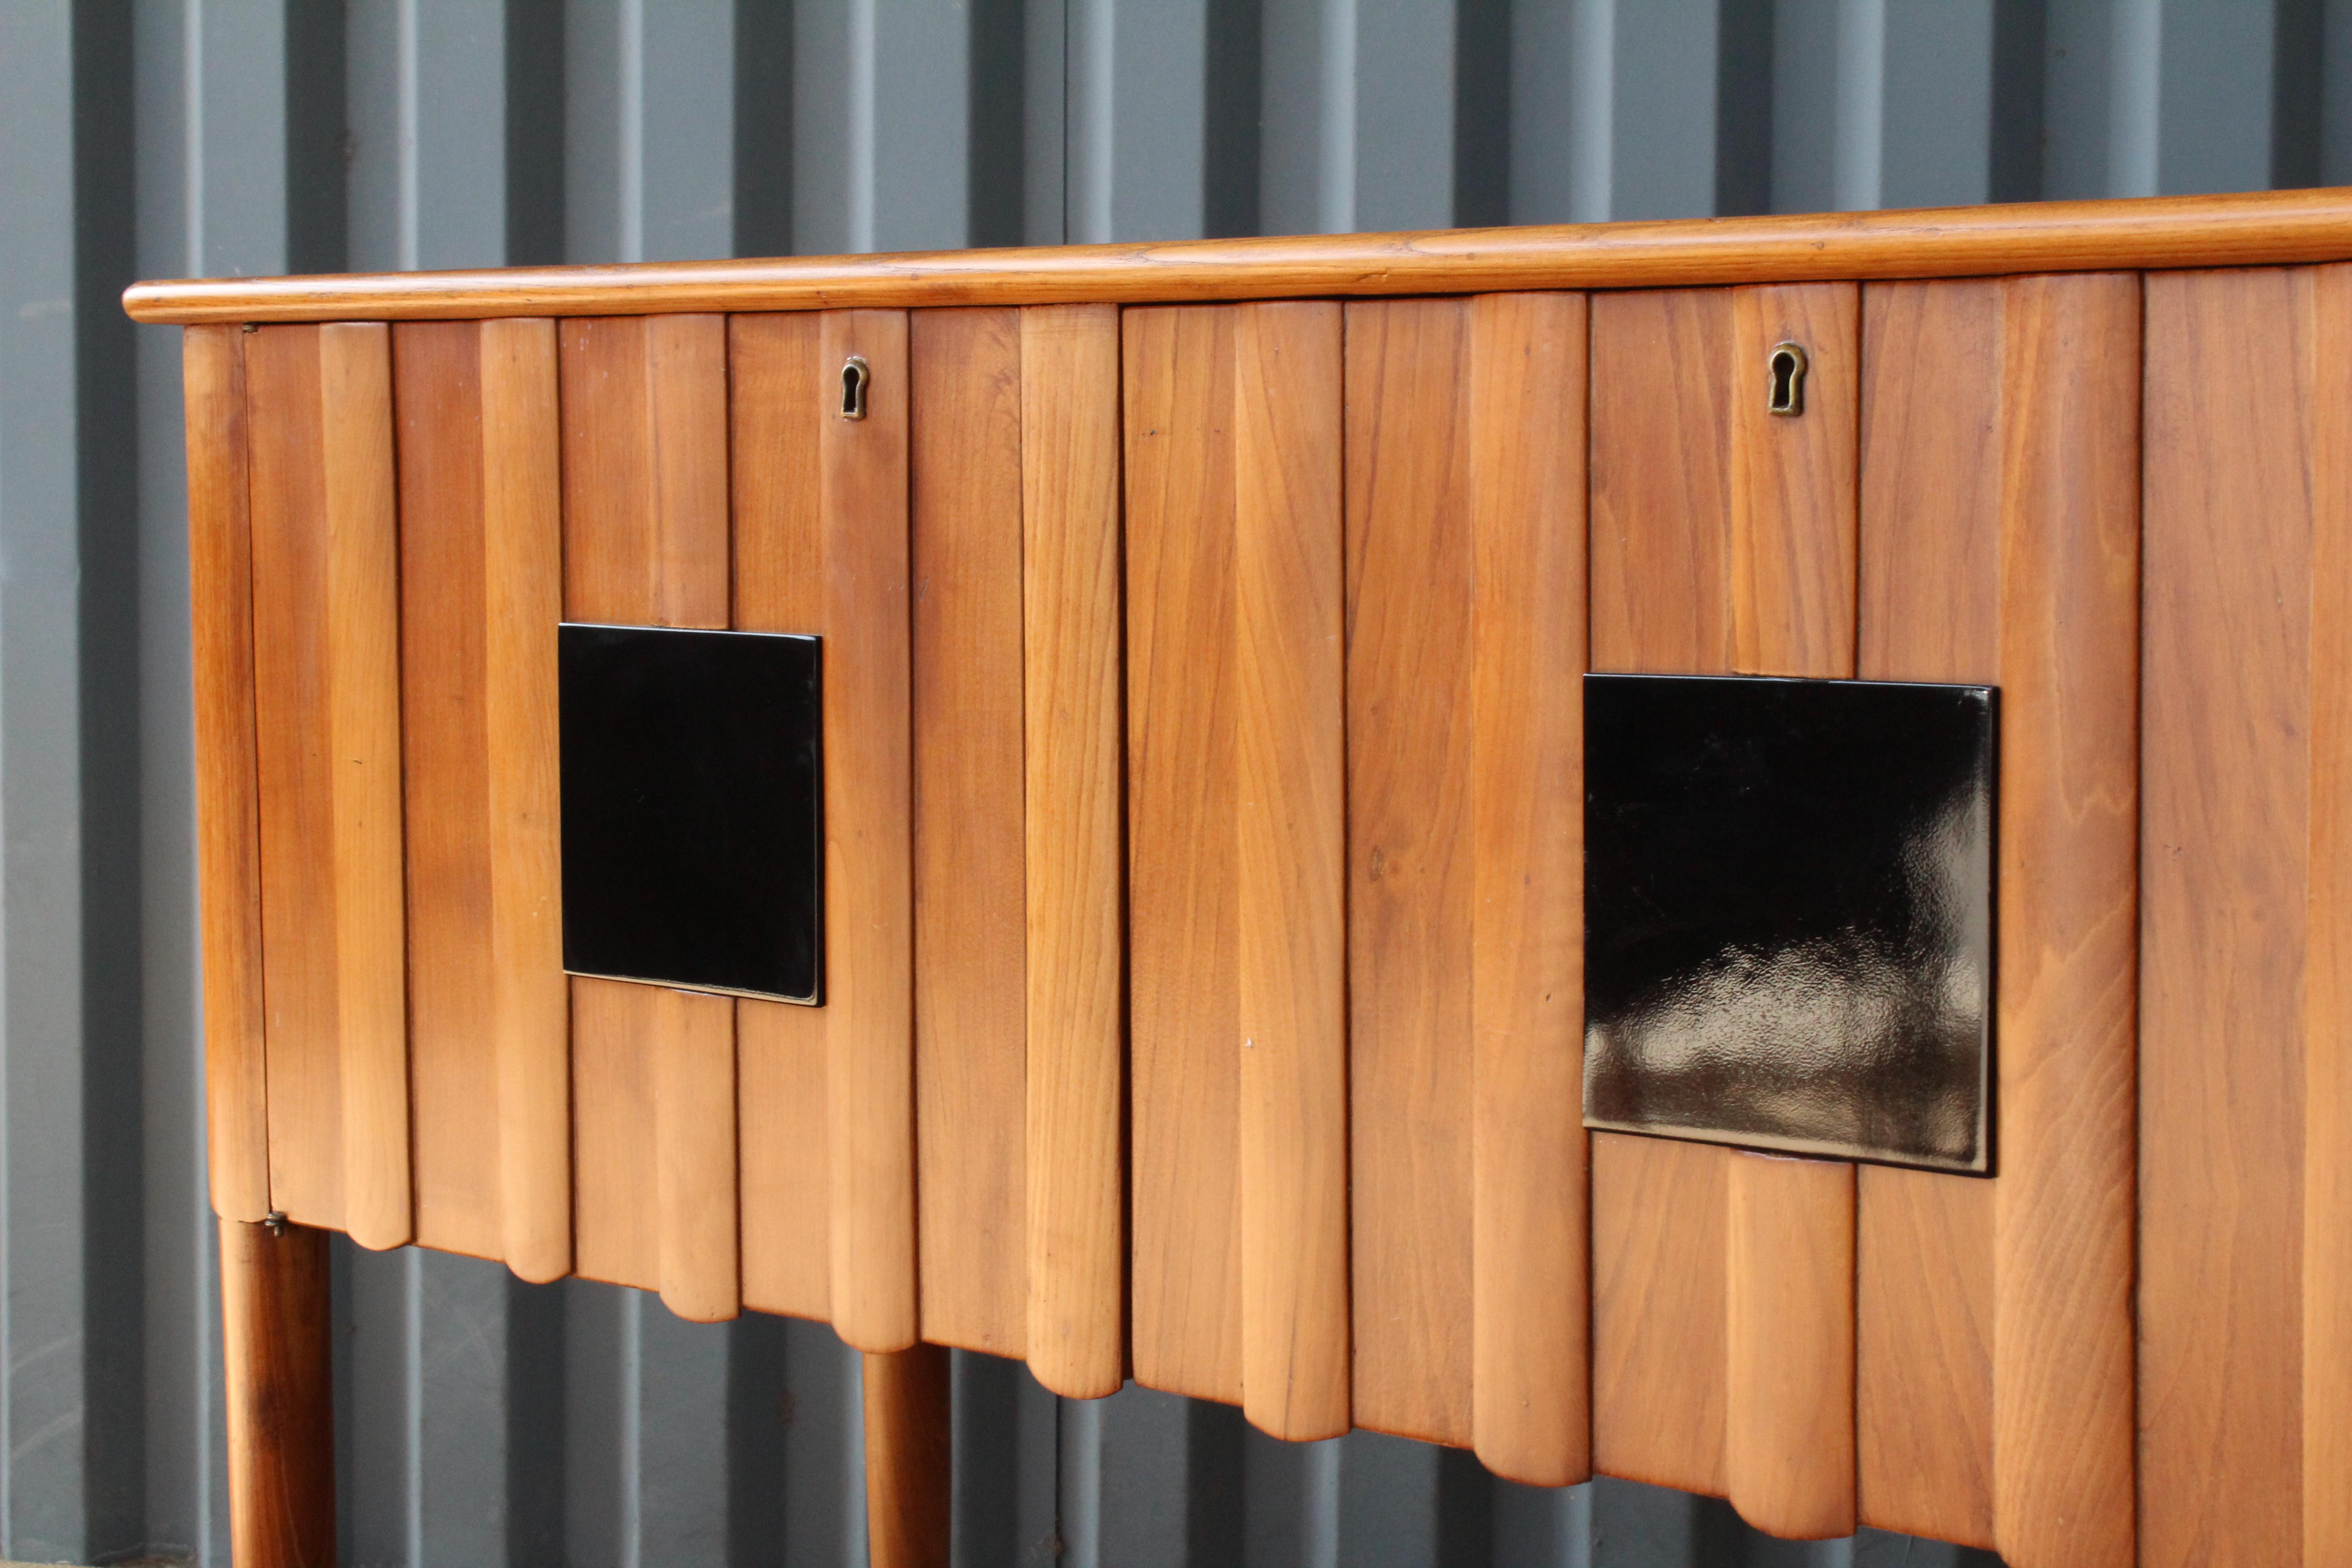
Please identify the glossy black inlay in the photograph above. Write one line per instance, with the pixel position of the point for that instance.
(693, 793)
(1789, 914)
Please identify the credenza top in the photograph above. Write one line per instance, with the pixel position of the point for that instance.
(2266, 227)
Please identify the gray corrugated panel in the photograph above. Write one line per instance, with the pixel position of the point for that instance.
(488, 1421)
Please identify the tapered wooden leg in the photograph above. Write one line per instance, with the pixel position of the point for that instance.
(907, 1458)
(275, 1317)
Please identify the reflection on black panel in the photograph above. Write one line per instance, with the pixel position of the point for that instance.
(693, 792)
(1789, 914)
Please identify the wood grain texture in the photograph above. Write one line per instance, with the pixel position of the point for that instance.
(971, 847)
(909, 1462)
(1531, 1395)
(1290, 922)
(229, 826)
(1185, 1097)
(645, 543)
(481, 586)
(1935, 433)
(2226, 704)
(781, 395)
(277, 1329)
(1409, 864)
(1660, 602)
(1076, 914)
(693, 1041)
(2062, 1396)
(522, 594)
(1789, 1306)
(869, 851)
(2253, 228)
(1722, 540)
(328, 722)
(2328, 983)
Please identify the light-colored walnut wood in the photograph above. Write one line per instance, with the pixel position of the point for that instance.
(693, 1069)
(869, 852)
(1076, 915)
(2231, 372)
(971, 848)
(645, 543)
(481, 587)
(277, 1329)
(445, 744)
(1724, 541)
(2000, 544)
(2068, 875)
(2327, 981)
(909, 1479)
(644, 470)
(229, 826)
(2254, 228)
(1409, 864)
(327, 689)
(1184, 1094)
(1935, 432)
(780, 398)
(1290, 922)
(1788, 1305)
(1530, 1405)
(522, 596)
(1660, 602)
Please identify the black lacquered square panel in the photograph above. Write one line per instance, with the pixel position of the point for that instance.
(1789, 914)
(693, 802)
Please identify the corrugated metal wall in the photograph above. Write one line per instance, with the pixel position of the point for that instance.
(487, 1422)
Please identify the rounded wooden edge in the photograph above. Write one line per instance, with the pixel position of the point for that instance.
(2238, 230)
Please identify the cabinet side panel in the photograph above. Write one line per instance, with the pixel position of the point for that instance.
(1178, 397)
(778, 396)
(1932, 447)
(1531, 1408)
(971, 955)
(1408, 872)
(228, 827)
(2226, 706)
(1075, 883)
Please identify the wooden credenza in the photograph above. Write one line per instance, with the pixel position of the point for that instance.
(1205, 626)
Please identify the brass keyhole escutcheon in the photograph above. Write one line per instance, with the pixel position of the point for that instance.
(854, 378)
(1788, 367)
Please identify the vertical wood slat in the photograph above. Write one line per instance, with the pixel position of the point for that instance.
(1290, 924)
(1240, 1251)
(1176, 396)
(971, 850)
(1723, 539)
(522, 596)
(646, 542)
(1409, 867)
(2063, 1399)
(1936, 431)
(1530, 1404)
(481, 586)
(780, 393)
(2231, 529)
(228, 828)
(2000, 544)
(869, 872)
(1660, 599)
(2327, 1064)
(327, 695)
(1075, 920)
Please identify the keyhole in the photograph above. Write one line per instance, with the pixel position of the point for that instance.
(854, 378)
(1788, 364)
